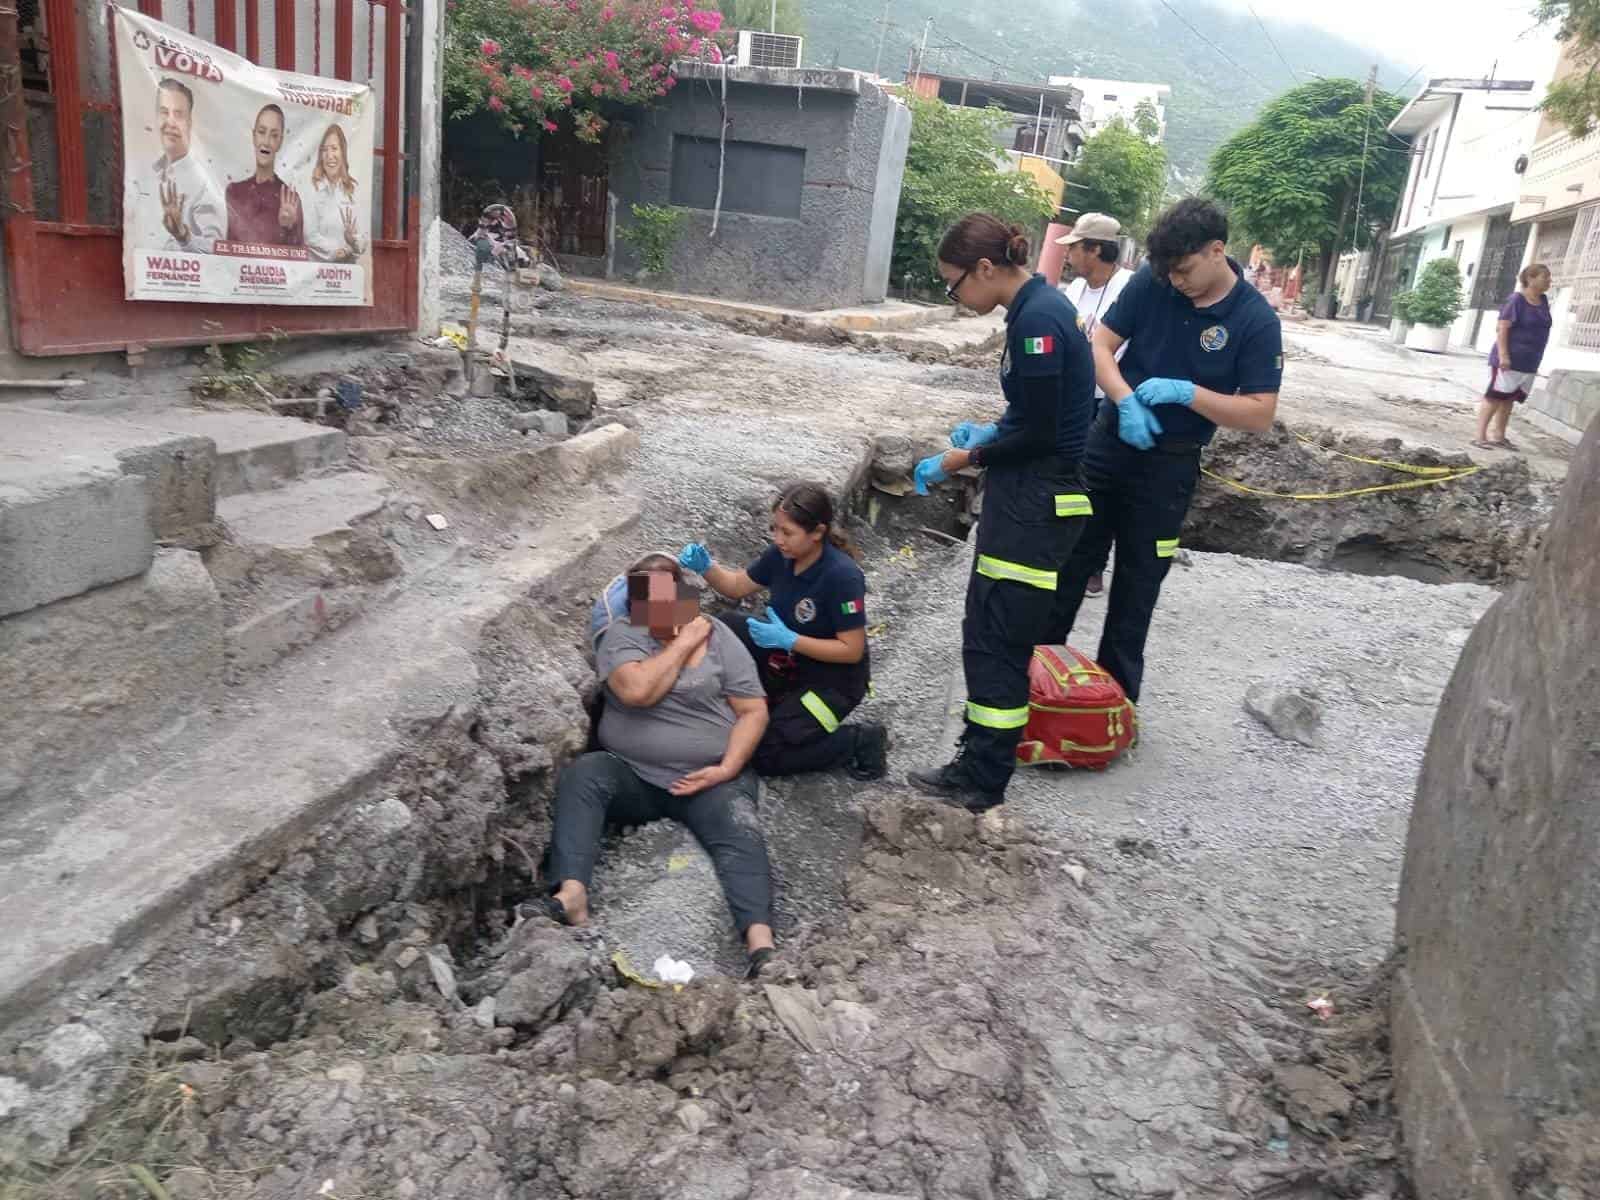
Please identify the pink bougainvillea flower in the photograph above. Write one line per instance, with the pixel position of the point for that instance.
(605, 16)
(670, 82)
(624, 86)
(597, 89)
(667, 12)
(564, 84)
(551, 126)
(706, 21)
(694, 45)
(522, 72)
(489, 47)
(612, 61)
(536, 92)
(496, 104)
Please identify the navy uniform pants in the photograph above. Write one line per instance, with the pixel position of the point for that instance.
(1029, 526)
(1140, 499)
(806, 730)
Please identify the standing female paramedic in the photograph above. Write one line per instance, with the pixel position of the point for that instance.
(811, 648)
(1034, 504)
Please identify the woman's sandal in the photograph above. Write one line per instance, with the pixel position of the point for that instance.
(1486, 445)
(1504, 444)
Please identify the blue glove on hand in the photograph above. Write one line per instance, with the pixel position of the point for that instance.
(1136, 424)
(1166, 391)
(969, 435)
(929, 470)
(695, 557)
(772, 633)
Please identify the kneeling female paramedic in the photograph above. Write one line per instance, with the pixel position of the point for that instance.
(811, 648)
(1034, 504)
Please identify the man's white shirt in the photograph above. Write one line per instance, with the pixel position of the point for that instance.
(1094, 303)
(203, 210)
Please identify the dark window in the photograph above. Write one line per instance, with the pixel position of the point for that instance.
(756, 178)
(1444, 243)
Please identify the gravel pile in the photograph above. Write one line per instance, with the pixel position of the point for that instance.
(455, 252)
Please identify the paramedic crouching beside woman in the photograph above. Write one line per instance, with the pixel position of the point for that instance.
(811, 647)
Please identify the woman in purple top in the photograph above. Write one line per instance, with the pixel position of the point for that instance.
(1520, 340)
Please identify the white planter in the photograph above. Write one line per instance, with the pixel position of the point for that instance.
(1398, 330)
(1431, 339)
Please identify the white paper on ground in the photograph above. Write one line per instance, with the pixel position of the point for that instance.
(670, 970)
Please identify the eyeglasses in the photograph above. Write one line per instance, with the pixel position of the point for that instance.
(956, 287)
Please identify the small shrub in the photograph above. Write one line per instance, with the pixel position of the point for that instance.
(653, 234)
(1436, 300)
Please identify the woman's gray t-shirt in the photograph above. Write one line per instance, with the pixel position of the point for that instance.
(688, 728)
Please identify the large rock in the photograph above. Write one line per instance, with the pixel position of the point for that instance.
(84, 678)
(1497, 1001)
(563, 377)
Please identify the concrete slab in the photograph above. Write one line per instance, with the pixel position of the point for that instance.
(83, 500)
(297, 515)
(82, 677)
(306, 739)
(256, 452)
(891, 314)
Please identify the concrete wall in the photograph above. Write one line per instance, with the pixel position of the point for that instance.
(1571, 397)
(1496, 1021)
(836, 253)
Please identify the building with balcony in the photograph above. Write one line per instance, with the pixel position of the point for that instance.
(1104, 100)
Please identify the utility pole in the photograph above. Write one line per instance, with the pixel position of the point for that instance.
(1325, 303)
(883, 32)
(773, 28)
(922, 54)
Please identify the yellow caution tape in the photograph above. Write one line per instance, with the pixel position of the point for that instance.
(1408, 468)
(1431, 475)
(1365, 491)
(619, 960)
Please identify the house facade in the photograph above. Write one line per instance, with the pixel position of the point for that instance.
(1467, 137)
(1104, 100)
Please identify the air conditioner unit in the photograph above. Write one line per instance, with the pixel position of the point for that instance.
(768, 49)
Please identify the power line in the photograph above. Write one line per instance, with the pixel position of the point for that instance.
(1293, 74)
(1217, 48)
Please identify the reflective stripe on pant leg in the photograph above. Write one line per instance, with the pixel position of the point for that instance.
(999, 568)
(1166, 547)
(818, 708)
(1074, 504)
(997, 718)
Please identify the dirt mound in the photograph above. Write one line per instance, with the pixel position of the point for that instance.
(1478, 527)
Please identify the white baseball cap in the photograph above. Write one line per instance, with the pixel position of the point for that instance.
(1093, 227)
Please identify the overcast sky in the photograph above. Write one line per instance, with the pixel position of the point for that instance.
(1444, 37)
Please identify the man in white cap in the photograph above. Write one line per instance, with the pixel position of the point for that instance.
(1093, 248)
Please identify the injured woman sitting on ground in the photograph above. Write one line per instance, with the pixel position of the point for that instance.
(683, 712)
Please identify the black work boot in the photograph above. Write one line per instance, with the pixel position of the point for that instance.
(953, 784)
(870, 759)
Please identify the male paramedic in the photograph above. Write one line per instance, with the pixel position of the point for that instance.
(1204, 349)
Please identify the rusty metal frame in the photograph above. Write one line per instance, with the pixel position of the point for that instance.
(65, 275)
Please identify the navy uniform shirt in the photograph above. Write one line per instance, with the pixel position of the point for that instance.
(1044, 337)
(823, 601)
(1234, 346)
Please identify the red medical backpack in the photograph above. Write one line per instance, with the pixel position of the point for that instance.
(1077, 713)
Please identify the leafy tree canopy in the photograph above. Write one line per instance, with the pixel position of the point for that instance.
(1291, 177)
(953, 168)
(1574, 101)
(1120, 174)
(1146, 120)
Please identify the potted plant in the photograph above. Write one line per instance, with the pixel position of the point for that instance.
(1431, 307)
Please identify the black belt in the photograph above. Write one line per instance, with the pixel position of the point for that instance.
(1106, 421)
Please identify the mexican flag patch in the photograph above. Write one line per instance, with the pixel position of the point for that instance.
(851, 607)
(1039, 345)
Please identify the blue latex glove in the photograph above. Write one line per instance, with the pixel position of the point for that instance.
(1166, 391)
(929, 470)
(772, 633)
(969, 435)
(1136, 424)
(695, 557)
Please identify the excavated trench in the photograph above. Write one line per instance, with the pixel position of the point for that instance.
(372, 1017)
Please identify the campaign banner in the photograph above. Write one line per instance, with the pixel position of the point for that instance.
(241, 185)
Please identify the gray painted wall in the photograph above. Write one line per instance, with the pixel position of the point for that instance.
(1571, 397)
(836, 253)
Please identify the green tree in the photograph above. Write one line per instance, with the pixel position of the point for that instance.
(1574, 99)
(1121, 174)
(1146, 120)
(953, 168)
(1292, 177)
(757, 15)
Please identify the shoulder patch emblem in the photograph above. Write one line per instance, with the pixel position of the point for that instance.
(1039, 345)
(805, 611)
(1214, 338)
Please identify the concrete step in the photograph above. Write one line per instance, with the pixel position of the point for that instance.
(255, 451)
(84, 500)
(90, 890)
(298, 515)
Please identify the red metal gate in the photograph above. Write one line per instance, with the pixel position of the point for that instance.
(62, 151)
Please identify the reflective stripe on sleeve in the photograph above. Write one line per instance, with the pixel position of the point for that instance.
(999, 568)
(1074, 504)
(818, 708)
(997, 718)
(1166, 547)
